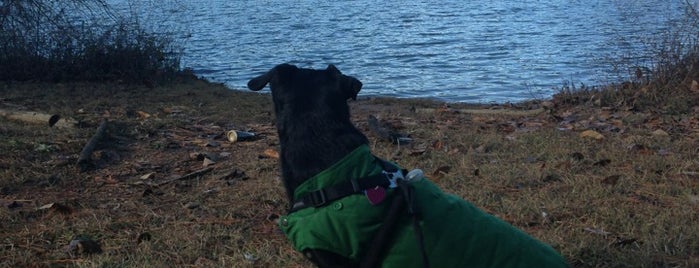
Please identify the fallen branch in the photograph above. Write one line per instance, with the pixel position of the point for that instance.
(187, 176)
(84, 160)
(51, 120)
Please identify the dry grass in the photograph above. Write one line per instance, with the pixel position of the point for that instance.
(628, 200)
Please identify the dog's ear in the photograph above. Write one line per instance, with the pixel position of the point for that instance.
(261, 81)
(333, 69)
(349, 86)
(280, 71)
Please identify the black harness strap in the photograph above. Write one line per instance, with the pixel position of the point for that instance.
(328, 194)
(413, 210)
(376, 248)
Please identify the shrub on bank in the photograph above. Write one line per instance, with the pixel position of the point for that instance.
(668, 85)
(79, 41)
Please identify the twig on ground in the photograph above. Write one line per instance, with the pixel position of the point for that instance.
(187, 176)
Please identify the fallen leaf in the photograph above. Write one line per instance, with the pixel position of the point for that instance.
(551, 178)
(611, 180)
(621, 241)
(506, 128)
(564, 164)
(659, 133)
(441, 171)
(418, 151)
(207, 162)
(142, 114)
(270, 153)
(197, 156)
(617, 123)
(437, 145)
(591, 134)
(60, 208)
(110, 180)
(602, 162)
(695, 86)
(191, 205)
(533, 125)
(250, 257)
(640, 149)
(83, 246)
(577, 156)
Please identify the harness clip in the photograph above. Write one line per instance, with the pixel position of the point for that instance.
(315, 201)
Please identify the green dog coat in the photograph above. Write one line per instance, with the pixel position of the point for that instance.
(456, 233)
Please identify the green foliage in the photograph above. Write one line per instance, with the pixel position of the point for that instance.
(79, 41)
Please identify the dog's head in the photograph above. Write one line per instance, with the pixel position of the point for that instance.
(312, 118)
(301, 89)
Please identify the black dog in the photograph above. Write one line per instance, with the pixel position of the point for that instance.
(314, 127)
(336, 190)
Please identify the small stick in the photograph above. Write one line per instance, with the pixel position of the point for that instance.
(187, 176)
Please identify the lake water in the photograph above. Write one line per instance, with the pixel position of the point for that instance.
(454, 50)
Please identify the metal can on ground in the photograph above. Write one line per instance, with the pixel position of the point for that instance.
(236, 135)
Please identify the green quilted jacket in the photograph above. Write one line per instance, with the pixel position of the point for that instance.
(456, 233)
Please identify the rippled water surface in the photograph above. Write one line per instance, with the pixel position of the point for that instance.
(475, 51)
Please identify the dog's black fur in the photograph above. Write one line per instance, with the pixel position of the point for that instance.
(315, 131)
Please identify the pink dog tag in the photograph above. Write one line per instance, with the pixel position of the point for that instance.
(375, 195)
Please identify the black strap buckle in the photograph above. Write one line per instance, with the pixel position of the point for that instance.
(321, 197)
(317, 198)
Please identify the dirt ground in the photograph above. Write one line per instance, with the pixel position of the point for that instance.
(605, 186)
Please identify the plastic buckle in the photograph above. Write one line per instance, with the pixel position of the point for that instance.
(322, 200)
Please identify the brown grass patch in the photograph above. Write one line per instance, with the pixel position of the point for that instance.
(629, 199)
